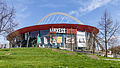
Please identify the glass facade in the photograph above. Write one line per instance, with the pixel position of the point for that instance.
(47, 39)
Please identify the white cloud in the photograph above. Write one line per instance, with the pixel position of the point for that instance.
(118, 13)
(115, 2)
(51, 5)
(23, 15)
(3, 40)
(94, 4)
(88, 6)
(21, 9)
(24, 8)
(74, 12)
(21, 12)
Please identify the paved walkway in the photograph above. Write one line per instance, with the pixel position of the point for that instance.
(93, 56)
(113, 59)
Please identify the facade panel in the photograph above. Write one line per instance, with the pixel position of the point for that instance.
(59, 36)
(81, 39)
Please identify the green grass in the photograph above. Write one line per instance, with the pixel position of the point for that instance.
(50, 58)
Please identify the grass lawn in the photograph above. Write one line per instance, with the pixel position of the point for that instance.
(50, 58)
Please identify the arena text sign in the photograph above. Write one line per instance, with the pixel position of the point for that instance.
(63, 30)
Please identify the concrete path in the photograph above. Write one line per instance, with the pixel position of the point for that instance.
(93, 56)
(113, 59)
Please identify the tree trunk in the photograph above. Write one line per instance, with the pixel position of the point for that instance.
(105, 35)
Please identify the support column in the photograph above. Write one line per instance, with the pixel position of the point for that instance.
(28, 40)
(71, 39)
(64, 41)
(20, 44)
(93, 36)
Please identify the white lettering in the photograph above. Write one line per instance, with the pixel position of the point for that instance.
(58, 30)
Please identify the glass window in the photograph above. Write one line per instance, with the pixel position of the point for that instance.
(44, 32)
(34, 34)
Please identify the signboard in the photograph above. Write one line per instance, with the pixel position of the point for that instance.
(57, 30)
(59, 39)
(81, 39)
(54, 40)
(68, 40)
(63, 30)
(72, 31)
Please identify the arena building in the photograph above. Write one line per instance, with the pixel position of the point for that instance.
(56, 35)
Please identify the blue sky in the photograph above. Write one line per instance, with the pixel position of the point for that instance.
(89, 12)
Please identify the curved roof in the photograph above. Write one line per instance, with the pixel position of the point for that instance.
(79, 27)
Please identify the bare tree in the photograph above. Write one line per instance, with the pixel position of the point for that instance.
(108, 30)
(115, 50)
(7, 18)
